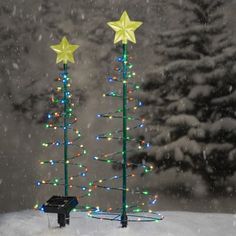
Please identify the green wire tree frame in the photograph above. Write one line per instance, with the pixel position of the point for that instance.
(124, 29)
(61, 117)
(124, 214)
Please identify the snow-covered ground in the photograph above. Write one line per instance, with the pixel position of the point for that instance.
(31, 223)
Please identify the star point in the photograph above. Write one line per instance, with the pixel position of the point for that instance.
(124, 29)
(64, 51)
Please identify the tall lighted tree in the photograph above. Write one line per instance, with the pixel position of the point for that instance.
(124, 29)
(61, 120)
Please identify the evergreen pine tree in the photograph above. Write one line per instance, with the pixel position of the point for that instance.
(190, 98)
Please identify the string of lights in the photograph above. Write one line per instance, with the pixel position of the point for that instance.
(62, 118)
(130, 103)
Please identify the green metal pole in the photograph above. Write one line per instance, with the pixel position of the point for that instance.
(124, 150)
(65, 126)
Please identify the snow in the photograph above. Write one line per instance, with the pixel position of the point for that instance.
(225, 99)
(184, 144)
(227, 124)
(181, 105)
(184, 120)
(32, 223)
(200, 91)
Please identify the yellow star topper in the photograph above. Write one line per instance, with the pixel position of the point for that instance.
(124, 29)
(64, 51)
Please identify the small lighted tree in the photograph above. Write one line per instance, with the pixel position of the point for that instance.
(62, 119)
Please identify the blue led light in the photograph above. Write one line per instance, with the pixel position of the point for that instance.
(140, 103)
(57, 143)
(38, 183)
(95, 158)
(110, 79)
(153, 202)
(141, 125)
(98, 115)
(52, 162)
(119, 59)
(49, 116)
(83, 174)
(83, 188)
(97, 209)
(97, 137)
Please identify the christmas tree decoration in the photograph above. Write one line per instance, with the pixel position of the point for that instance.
(61, 120)
(124, 29)
(64, 51)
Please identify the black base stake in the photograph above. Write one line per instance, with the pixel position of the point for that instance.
(124, 221)
(67, 218)
(61, 220)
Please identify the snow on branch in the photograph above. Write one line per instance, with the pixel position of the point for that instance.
(225, 99)
(212, 148)
(183, 120)
(196, 29)
(226, 124)
(206, 62)
(182, 105)
(200, 91)
(180, 147)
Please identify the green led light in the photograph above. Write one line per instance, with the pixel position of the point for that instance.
(137, 210)
(145, 192)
